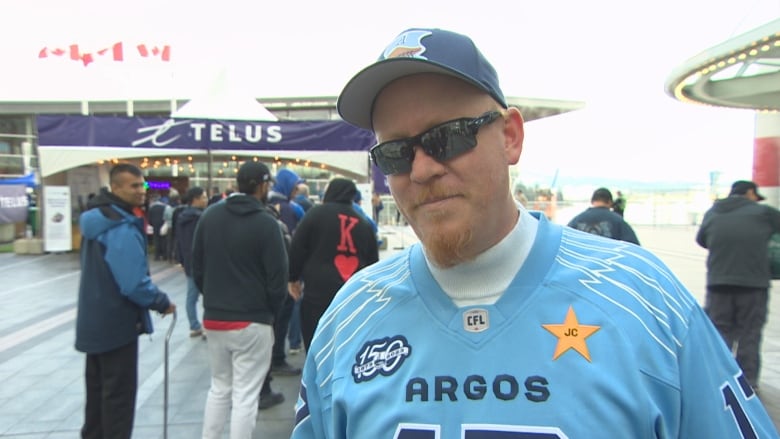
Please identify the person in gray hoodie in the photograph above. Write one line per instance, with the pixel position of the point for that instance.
(736, 230)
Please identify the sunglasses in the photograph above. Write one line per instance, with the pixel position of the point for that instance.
(442, 142)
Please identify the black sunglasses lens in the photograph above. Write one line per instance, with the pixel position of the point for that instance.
(393, 157)
(442, 142)
(458, 144)
(434, 142)
(448, 141)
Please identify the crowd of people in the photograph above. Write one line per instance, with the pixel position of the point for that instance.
(263, 284)
(498, 321)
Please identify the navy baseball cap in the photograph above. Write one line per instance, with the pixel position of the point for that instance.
(417, 51)
(741, 187)
(253, 173)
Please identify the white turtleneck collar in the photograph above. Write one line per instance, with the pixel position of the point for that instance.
(483, 280)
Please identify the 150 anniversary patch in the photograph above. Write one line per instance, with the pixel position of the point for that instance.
(383, 356)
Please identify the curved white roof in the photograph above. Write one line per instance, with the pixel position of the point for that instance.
(743, 72)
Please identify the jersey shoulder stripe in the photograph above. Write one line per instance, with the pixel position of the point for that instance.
(631, 284)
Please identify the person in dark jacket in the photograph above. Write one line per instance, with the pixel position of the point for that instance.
(736, 231)
(239, 262)
(156, 217)
(598, 219)
(197, 200)
(216, 196)
(294, 329)
(115, 295)
(331, 243)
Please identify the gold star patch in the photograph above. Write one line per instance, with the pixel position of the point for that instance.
(571, 335)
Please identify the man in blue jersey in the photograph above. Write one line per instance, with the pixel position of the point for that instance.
(501, 324)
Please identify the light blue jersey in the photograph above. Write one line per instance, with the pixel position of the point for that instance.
(594, 338)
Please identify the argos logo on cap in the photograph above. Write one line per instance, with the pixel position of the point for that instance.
(407, 45)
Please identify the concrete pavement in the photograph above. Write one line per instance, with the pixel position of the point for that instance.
(42, 391)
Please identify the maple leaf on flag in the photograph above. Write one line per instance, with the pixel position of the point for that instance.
(165, 52)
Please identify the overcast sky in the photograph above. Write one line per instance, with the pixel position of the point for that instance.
(613, 55)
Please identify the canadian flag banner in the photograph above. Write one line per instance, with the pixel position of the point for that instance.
(115, 52)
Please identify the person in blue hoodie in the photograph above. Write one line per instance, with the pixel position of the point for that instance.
(115, 295)
(282, 198)
(280, 202)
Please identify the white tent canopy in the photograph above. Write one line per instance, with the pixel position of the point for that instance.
(224, 99)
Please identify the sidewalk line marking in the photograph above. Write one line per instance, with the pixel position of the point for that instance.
(62, 276)
(28, 332)
(36, 329)
(29, 261)
(43, 282)
(157, 378)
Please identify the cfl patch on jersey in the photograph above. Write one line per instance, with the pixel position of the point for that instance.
(383, 356)
(476, 320)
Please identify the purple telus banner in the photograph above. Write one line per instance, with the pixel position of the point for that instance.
(13, 204)
(157, 132)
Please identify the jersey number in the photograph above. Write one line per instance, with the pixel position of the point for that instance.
(480, 431)
(733, 403)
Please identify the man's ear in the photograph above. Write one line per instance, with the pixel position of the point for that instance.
(514, 133)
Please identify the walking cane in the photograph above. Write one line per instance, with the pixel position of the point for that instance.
(165, 379)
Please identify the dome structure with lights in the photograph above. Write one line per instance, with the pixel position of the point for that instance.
(743, 72)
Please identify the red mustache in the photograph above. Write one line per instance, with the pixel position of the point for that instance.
(429, 195)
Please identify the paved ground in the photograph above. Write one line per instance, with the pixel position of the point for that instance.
(42, 391)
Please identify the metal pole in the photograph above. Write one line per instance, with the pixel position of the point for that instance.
(165, 380)
(208, 169)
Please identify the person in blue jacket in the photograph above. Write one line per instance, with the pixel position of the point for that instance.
(115, 295)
